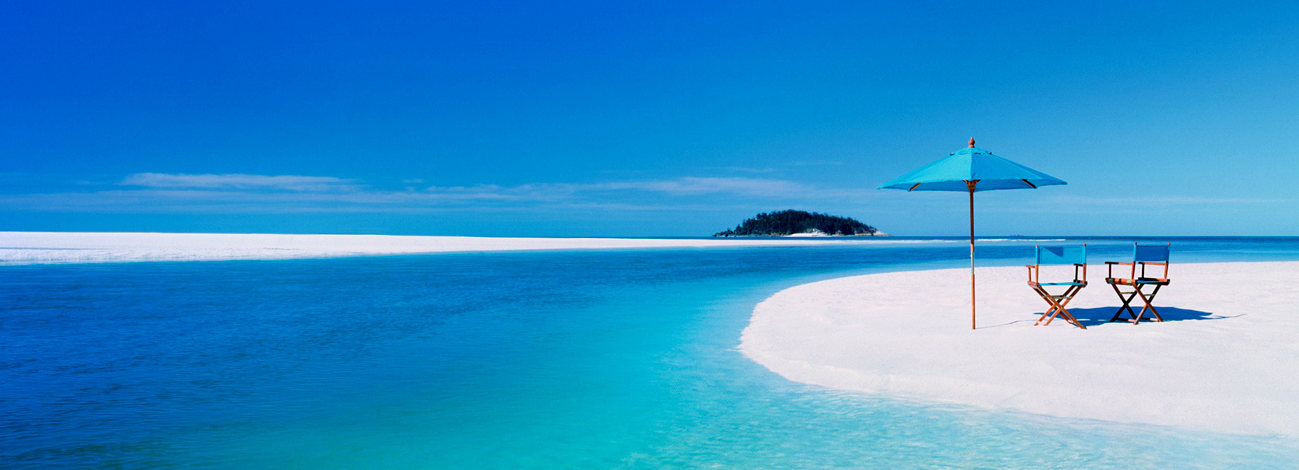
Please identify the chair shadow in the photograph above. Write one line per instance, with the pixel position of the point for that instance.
(1102, 315)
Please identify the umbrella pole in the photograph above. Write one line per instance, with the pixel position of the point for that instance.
(971, 186)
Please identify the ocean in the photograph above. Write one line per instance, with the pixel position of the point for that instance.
(572, 359)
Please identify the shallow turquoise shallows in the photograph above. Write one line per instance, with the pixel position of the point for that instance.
(595, 359)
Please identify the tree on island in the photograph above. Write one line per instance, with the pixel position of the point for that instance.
(791, 222)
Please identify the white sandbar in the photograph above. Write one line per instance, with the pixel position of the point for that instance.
(97, 247)
(1226, 360)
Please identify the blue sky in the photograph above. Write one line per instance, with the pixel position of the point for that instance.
(642, 119)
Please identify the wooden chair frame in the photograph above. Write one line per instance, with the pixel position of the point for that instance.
(1153, 256)
(1057, 302)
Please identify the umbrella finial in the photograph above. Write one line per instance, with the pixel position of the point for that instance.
(971, 142)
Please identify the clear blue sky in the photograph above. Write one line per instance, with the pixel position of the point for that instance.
(642, 119)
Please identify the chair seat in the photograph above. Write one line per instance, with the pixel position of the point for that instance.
(1128, 282)
(1062, 284)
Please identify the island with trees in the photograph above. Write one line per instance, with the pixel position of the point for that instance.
(799, 223)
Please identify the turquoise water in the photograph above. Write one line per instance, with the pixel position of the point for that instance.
(595, 359)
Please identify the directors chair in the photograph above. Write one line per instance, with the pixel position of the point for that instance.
(1058, 255)
(1143, 255)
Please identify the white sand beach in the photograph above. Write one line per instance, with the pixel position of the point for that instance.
(104, 247)
(1225, 360)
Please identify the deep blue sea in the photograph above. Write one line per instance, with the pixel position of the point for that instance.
(576, 359)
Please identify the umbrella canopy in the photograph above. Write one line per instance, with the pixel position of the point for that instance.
(973, 164)
(971, 170)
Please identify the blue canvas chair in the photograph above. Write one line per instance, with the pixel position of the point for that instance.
(1058, 255)
(1144, 255)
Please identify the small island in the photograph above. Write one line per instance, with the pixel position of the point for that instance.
(799, 223)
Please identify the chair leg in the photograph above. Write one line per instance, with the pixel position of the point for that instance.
(1149, 303)
(1120, 294)
(1128, 297)
(1057, 306)
(1070, 318)
(1055, 310)
(1126, 303)
(1061, 312)
(1047, 297)
(1068, 295)
(1136, 317)
(1050, 313)
(1044, 315)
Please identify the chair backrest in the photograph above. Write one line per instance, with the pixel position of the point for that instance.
(1061, 255)
(1150, 253)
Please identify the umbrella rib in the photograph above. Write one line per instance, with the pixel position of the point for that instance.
(1031, 185)
(913, 187)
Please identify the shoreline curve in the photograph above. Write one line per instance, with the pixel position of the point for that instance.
(1225, 361)
(18, 248)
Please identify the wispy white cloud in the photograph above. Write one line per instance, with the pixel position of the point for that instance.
(816, 163)
(740, 169)
(758, 187)
(1124, 205)
(159, 192)
(491, 192)
(242, 193)
(240, 181)
(1165, 200)
(687, 186)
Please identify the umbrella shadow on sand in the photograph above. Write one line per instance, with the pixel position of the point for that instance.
(1090, 317)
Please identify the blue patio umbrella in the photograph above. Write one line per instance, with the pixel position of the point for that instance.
(971, 170)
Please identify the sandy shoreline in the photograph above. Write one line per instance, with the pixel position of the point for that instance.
(97, 247)
(1225, 361)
